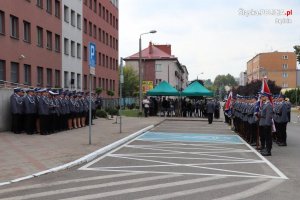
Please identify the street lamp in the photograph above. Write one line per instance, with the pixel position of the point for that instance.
(140, 68)
(199, 74)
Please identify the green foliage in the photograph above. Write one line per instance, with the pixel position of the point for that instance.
(101, 113)
(208, 83)
(98, 90)
(130, 113)
(223, 80)
(131, 82)
(293, 95)
(110, 93)
(297, 52)
(112, 111)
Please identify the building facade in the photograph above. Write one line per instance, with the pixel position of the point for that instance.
(280, 67)
(44, 43)
(242, 79)
(158, 64)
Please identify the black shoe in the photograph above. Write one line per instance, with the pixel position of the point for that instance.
(282, 144)
(253, 144)
(266, 153)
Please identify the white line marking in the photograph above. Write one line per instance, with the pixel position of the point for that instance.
(144, 188)
(199, 190)
(252, 191)
(35, 186)
(193, 153)
(184, 158)
(199, 167)
(267, 161)
(182, 173)
(89, 187)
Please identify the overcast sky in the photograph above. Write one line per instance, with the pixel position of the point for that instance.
(210, 36)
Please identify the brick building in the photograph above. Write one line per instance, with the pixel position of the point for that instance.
(44, 43)
(158, 64)
(280, 67)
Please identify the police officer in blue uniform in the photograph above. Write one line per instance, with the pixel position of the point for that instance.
(16, 107)
(30, 111)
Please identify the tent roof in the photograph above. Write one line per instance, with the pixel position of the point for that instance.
(196, 89)
(163, 89)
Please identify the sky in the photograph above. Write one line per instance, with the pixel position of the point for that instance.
(210, 37)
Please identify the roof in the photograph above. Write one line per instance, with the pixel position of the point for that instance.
(163, 89)
(151, 52)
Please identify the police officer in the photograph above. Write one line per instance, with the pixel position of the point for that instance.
(282, 121)
(16, 106)
(252, 121)
(265, 125)
(30, 110)
(43, 112)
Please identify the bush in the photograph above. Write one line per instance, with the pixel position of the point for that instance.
(112, 111)
(101, 114)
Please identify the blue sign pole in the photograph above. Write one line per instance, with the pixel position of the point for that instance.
(92, 65)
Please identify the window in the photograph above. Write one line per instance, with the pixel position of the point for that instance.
(284, 66)
(79, 21)
(94, 31)
(99, 10)
(40, 76)
(57, 8)
(72, 48)
(106, 39)
(78, 81)
(85, 53)
(27, 74)
(99, 58)
(114, 85)
(157, 81)
(158, 68)
(72, 17)
(78, 50)
(14, 26)
(72, 79)
(66, 14)
(106, 61)
(285, 57)
(85, 82)
(103, 83)
(285, 85)
(99, 82)
(85, 25)
(85, 2)
(57, 78)
(66, 46)
(2, 70)
(14, 76)
(66, 78)
(90, 28)
(49, 40)
(284, 74)
(110, 41)
(57, 43)
(91, 6)
(106, 84)
(27, 35)
(99, 34)
(110, 63)
(39, 3)
(49, 6)
(40, 36)
(49, 77)
(103, 60)
(2, 22)
(94, 82)
(95, 6)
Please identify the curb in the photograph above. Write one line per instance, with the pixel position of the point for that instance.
(83, 159)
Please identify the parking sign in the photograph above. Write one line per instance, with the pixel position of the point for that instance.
(92, 57)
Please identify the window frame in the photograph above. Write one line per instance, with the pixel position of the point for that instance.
(49, 40)
(40, 37)
(27, 31)
(2, 22)
(27, 74)
(16, 74)
(14, 27)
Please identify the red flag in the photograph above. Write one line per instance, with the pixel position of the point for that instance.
(265, 89)
(228, 102)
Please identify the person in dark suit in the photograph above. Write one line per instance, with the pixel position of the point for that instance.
(210, 109)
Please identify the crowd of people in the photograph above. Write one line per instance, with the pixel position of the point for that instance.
(260, 122)
(157, 106)
(45, 111)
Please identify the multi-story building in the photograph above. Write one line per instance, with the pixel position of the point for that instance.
(44, 43)
(280, 67)
(242, 79)
(158, 64)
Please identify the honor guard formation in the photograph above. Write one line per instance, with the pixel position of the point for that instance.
(260, 122)
(46, 111)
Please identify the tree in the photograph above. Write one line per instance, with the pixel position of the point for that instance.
(223, 80)
(98, 90)
(208, 83)
(254, 87)
(131, 82)
(297, 52)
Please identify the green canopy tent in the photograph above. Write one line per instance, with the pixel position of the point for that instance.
(196, 89)
(163, 89)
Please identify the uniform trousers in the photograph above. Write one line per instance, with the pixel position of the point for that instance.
(44, 124)
(265, 133)
(16, 123)
(282, 132)
(210, 117)
(30, 123)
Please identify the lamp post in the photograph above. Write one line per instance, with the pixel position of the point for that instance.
(140, 68)
(199, 74)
